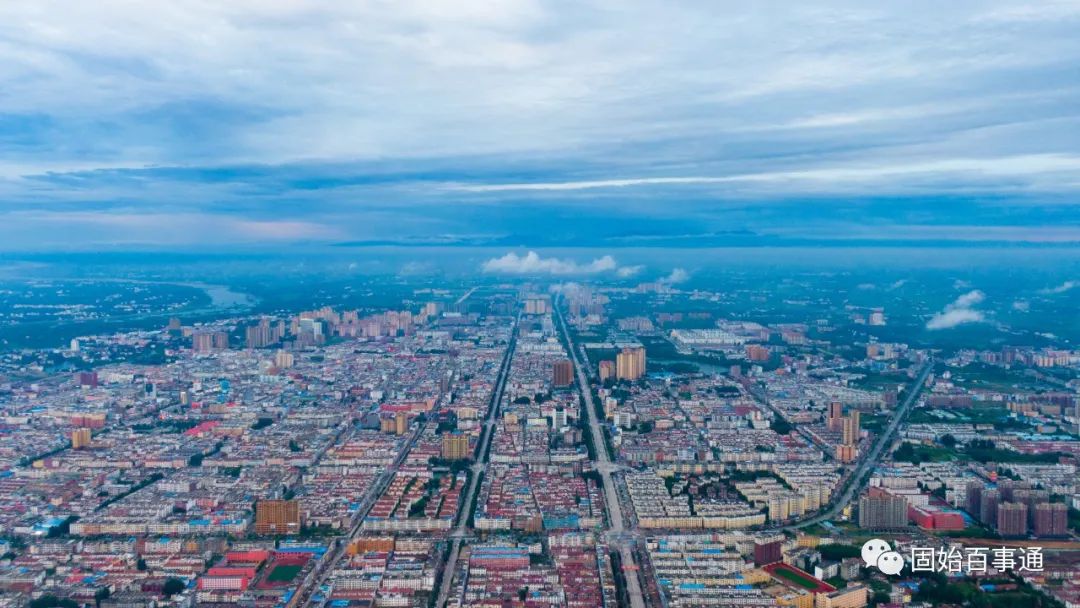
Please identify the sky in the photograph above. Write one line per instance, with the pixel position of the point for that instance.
(518, 124)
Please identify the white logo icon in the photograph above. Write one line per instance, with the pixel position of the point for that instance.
(879, 554)
(872, 550)
(890, 562)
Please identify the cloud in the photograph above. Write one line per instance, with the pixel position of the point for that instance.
(156, 229)
(1063, 288)
(898, 284)
(959, 170)
(953, 318)
(533, 264)
(968, 300)
(629, 271)
(959, 312)
(677, 276)
(245, 108)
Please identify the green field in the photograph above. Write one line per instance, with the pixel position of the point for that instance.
(798, 579)
(284, 573)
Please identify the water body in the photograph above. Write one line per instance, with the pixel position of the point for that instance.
(57, 332)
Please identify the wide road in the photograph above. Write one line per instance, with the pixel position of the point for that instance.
(604, 467)
(320, 576)
(460, 530)
(858, 477)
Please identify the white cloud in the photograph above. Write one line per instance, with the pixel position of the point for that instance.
(628, 271)
(968, 300)
(1037, 168)
(532, 264)
(677, 276)
(1064, 287)
(589, 96)
(959, 312)
(953, 318)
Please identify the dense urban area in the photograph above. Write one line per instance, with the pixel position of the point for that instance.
(533, 445)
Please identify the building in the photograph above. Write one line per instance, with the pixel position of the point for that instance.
(80, 438)
(630, 363)
(607, 370)
(834, 421)
(758, 353)
(261, 335)
(284, 360)
(1051, 519)
(401, 423)
(973, 497)
(851, 428)
(768, 551)
(1012, 519)
(88, 379)
(277, 516)
(846, 453)
(563, 373)
(853, 596)
(537, 305)
(886, 512)
(207, 341)
(988, 507)
(455, 446)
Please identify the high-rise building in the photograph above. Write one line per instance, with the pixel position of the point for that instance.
(537, 305)
(768, 551)
(834, 420)
(284, 359)
(207, 341)
(607, 370)
(81, 438)
(277, 516)
(387, 424)
(455, 446)
(630, 363)
(1012, 519)
(973, 497)
(401, 423)
(1051, 519)
(88, 379)
(851, 428)
(563, 373)
(988, 506)
(846, 453)
(262, 335)
(883, 512)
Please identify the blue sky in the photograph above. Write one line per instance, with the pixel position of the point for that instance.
(597, 122)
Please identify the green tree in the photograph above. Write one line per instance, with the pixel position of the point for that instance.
(172, 586)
